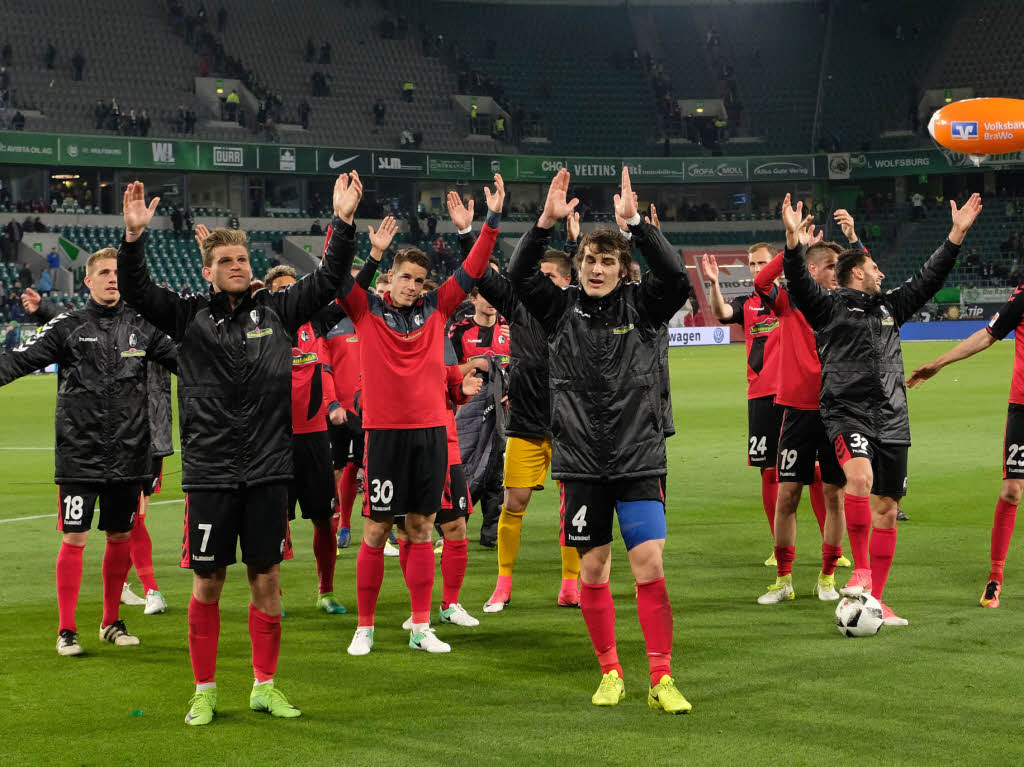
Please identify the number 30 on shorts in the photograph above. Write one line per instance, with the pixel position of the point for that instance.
(381, 492)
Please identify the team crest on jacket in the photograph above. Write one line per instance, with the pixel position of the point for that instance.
(305, 336)
(132, 340)
(417, 320)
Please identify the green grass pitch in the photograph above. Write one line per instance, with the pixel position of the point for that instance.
(768, 684)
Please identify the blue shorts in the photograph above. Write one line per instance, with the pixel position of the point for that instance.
(588, 507)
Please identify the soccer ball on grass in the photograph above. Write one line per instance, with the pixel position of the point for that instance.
(859, 616)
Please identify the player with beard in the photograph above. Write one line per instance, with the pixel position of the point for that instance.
(863, 399)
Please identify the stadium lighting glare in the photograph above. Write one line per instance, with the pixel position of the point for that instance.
(700, 110)
(66, 176)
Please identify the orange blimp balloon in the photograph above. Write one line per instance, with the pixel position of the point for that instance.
(980, 126)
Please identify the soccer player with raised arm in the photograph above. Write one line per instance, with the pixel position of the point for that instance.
(608, 435)
(234, 386)
(401, 337)
(760, 332)
(528, 449)
(863, 399)
(805, 455)
(1009, 319)
(103, 354)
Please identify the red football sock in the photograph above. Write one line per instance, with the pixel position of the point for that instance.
(769, 495)
(403, 555)
(883, 546)
(858, 528)
(454, 557)
(419, 577)
(817, 493)
(829, 555)
(203, 633)
(117, 558)
(265, 635)
(599, 615)
(325, 549)
(369, 577)
(1002, 531)
(347, 487)
(655, 612)
(784, 557)
(69, 581)
(142, 554)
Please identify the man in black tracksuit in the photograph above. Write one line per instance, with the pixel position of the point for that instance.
(528, 430)
(863, 395)
(103, 353)
(234, 399)
(607, 419)
(158, 383)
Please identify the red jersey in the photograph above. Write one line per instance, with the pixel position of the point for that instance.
(1008, 319)
(404, 366)
(343, 348)
(312, 383)
(473, 340)
(800, 387)
(762, 340)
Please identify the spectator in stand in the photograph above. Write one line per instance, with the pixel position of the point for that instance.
(12, 339)
(378, 113)
(52, 262)
(918, 210)
(408, 90)
(144, 123)
(310, 50)
(77, 66)
(431, 225)
(304, 112)
(6, 54)
(25, 276)
(179, 120)
(18, 121)
(99, 114)
(130, 124)
(177, 221)
(325, 53)
(408, 141)
(190, 121)
(6, 247)
(315, 229)
(231, 105)
(45, 283)
(15, 233)
(5, 301)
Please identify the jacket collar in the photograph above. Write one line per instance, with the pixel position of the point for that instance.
(860, 298)
(103, 311)
(221, 305)
(602, 302)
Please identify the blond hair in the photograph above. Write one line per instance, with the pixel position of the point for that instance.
(99, 255)
(219, 237)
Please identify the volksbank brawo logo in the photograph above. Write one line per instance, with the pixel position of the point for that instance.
(963, 130)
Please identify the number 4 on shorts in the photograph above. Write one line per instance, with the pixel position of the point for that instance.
(579, 519)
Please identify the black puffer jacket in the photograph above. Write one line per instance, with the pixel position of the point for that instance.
(103, 355)
(234, 377)
(858, 338)
(608, 417)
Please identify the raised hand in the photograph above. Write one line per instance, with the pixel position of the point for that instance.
(572, 226)
(793, 218)
(348, 191)
(137, 214)
(471, 385)
(337, 416)
(380, 240)
(30, 301)
(845, 220)
(963, 218)
(201, 233)
(461, 215)
(256, 285)
(625, 201)
(496, 199)
(709, 267)
(555, 206)
(653, 218)
(620, 221)
(807, 235)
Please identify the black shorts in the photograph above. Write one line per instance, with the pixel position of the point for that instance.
(888, 462)
(347, 441)
(119, 504)
(156, 477)
(216, 520)
(587, 507)
(764, 421)
(455, 501)
(1013, 443)
(404, 471)
(313, 484)
(804, 442)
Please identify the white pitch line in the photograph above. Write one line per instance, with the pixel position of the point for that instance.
(27, 448)
(48, 516)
